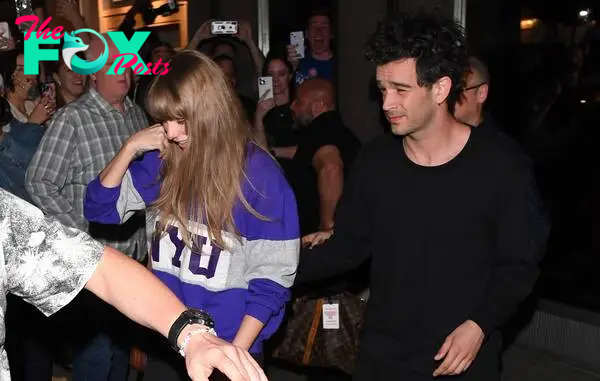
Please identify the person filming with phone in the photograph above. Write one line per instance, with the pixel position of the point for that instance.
(225, 35)
(317, 60)
(273, 120)
(22, 119)
(231, 45)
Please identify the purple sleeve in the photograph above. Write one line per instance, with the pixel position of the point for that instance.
(140, 187)
(272, 246)
(100, 203)
(266, 299)
(145, 175)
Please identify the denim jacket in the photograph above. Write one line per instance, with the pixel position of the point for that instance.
(16, 150)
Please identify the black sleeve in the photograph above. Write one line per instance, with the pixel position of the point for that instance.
(350, 244)
(311, 141)
(522, 232)
(278, 124)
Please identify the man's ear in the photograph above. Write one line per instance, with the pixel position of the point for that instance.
(316, 107)
(482, 93)
(441, 89)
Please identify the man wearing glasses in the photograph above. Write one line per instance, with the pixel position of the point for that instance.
(469, 108)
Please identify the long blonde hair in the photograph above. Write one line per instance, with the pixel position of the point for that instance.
(202, 183)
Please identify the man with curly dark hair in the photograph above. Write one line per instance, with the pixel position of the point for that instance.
(449, 215)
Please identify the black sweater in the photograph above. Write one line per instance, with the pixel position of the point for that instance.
(449, 243)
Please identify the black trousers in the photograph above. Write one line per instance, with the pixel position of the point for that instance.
(486, 367)
(29, 342)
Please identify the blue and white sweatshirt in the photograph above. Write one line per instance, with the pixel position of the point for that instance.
(252, 277)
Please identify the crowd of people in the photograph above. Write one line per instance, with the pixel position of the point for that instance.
(236, 201)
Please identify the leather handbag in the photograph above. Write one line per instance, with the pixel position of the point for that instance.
(305, 342)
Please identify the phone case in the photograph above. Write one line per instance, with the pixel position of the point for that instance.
(5, 34)
(297, 41)
(49, 90)
(265, 88)
(224, 27)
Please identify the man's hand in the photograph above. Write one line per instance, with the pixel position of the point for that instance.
(460, 349)
(206, 352)
(313, 239)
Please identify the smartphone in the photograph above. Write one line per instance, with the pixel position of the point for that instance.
(4, 34)
(265, 88)
(297, 41)
(224, 27)
(48, 90)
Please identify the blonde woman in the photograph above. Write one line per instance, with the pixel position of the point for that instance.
(224, 220)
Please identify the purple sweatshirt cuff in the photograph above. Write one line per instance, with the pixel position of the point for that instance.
(266, 299)
(100, 201)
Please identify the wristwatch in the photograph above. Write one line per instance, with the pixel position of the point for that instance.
(187, 317)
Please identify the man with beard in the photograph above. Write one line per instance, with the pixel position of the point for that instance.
(323, 156)
(448, 214)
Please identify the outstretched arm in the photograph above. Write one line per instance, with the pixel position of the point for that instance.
(47, 264)
(117, 280)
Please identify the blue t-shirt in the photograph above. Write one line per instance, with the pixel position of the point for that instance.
(310, 67)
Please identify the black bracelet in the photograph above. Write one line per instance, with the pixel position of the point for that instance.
(190, 316)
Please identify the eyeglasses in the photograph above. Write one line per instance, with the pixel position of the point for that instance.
(474, 87)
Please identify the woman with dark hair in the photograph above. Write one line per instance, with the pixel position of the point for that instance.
(273, 118)
(20, 131)
(20, 88)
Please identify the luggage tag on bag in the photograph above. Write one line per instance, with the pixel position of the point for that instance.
(331, 315)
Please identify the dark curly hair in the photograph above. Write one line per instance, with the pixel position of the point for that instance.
(437, 45)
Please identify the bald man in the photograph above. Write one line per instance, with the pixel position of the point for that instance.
(469, 108)
(323, 156)
(80, 141)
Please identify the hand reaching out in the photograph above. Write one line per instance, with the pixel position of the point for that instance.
(317, 238)
(459, 350)
(206, 352)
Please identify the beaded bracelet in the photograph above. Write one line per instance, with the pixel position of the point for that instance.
(188, 337)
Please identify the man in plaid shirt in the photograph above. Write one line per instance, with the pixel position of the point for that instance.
(80, 141)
